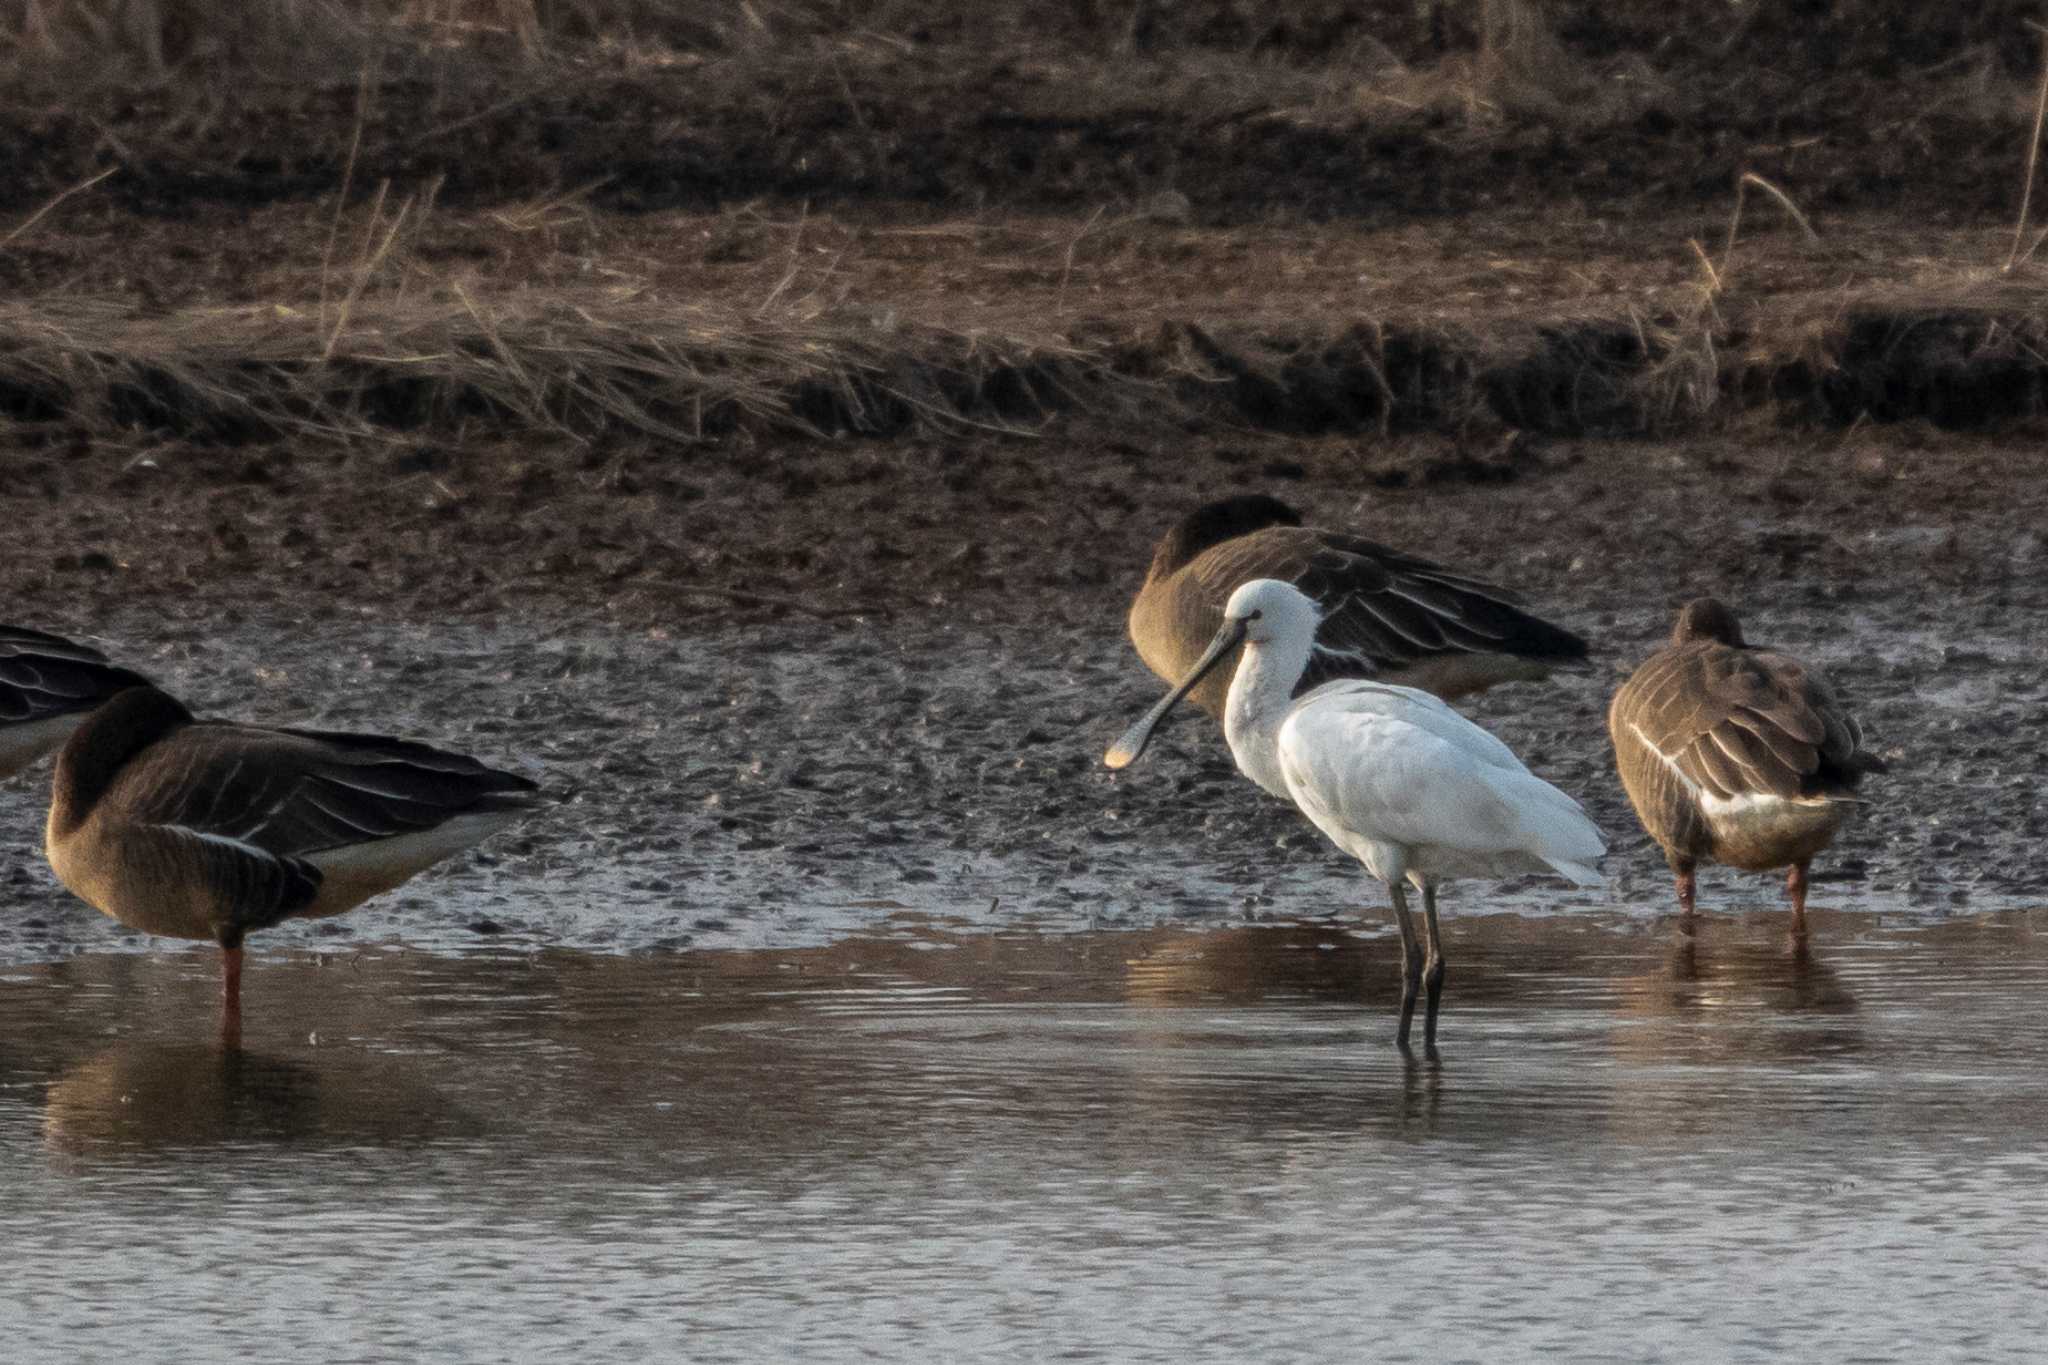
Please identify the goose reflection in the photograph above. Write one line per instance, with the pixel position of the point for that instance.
(1770, 998)
(1320, 961)
(1716, 969)
(1505, 960)
(143, 1095)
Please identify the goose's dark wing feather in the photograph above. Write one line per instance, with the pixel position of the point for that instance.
(1834, 733)
(294, 793)
(1384, 610)
(44, 675)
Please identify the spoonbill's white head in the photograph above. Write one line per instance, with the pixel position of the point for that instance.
(1260, 612)
(1268, 610)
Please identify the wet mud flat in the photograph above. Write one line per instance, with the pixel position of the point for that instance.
(1162, 1143)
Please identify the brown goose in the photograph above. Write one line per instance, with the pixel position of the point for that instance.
(1734, 754)
(211, 830)
(47, 686)
(1386, 615)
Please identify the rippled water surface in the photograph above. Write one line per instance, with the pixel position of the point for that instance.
(1164, 1144)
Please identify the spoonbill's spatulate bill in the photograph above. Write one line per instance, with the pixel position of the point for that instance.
(211, 830)
(47, 686)
(1392, 775)
(1734, 754)
(1388, 616)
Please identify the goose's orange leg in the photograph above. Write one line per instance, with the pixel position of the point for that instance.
(231, 995)
(1795, 887)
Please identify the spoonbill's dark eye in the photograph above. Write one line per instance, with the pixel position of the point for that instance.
(1255, 615)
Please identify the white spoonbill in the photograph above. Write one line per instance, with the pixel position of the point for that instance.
(1392, 775)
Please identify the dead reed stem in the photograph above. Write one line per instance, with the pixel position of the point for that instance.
(2019, 228)
(366, 267)
(21, 231)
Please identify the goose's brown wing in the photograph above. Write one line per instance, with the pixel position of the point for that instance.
(45, 675)
(1382, 610)
(294, 793)
(1735, 722)
(1843, 759)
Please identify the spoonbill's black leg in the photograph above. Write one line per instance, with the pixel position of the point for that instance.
(1433, 966)
(1411, 963)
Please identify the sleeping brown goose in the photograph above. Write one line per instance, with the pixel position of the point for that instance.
(47, 686)
(1734, 754)
(1388, 616)
(212, 830)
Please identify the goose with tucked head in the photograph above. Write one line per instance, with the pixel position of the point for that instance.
(1388, 616)
(1735, 754)
(211, 830)
(1392, 775)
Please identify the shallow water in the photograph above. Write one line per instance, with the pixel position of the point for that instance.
(1160, 1144)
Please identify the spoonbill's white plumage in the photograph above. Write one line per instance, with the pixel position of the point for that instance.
(1392, 775)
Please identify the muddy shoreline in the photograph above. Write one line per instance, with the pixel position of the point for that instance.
(789, 783)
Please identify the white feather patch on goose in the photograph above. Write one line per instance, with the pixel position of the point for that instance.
(21, 745)
(247, 850)
(415, 851)
(1740, 808)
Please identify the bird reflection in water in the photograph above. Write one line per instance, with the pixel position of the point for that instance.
(1302, 964)
(142, 1095)
(1770, 998)
(1319, 961)
(1778, 972)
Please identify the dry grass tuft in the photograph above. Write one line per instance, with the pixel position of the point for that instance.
(588, 364)
(1688, 375)
(581, 365)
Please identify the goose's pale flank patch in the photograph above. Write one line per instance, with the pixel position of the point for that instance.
(1735, 754)
(1384, 614)
(1395, 777)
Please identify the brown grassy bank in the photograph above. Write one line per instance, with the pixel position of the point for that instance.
(445, 215)
(586, 367)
